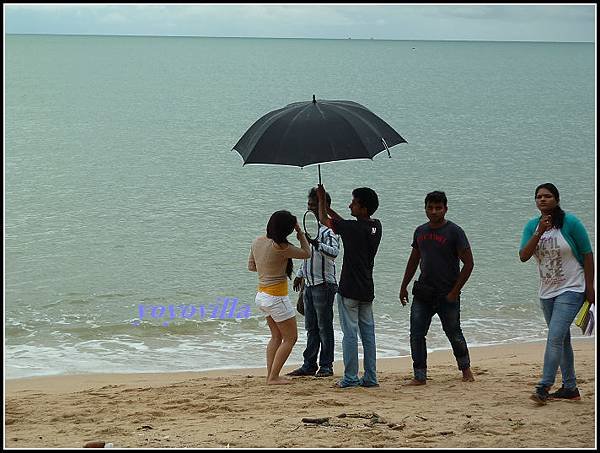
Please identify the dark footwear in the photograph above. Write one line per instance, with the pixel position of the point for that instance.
(368, 384)
(300, 372)
(324, 372)
(540, 395)
(566, 394)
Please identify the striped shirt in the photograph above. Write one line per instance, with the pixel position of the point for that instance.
(320, 267)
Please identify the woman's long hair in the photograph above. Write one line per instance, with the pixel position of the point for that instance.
(558, 215)
(279, 227)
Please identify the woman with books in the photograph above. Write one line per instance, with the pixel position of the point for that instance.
(563, 251)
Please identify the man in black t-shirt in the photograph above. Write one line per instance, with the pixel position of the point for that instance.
(356, 291)
(438, 247)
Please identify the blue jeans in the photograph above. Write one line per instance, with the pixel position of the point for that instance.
(421, 314)
(318, 322)
(559, 312)
(357, 316)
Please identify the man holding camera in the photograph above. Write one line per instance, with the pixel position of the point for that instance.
(317, 274)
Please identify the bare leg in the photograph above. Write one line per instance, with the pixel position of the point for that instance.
(467, 375)
(289, 332)
(273, 345)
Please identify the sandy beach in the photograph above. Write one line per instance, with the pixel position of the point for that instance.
(235, 408)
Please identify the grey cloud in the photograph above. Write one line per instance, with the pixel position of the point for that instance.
(482, 22)
(514, 13)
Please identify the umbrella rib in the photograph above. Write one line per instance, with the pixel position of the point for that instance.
(368, 123)
(331, 147)
(354, 131)
(290, 123)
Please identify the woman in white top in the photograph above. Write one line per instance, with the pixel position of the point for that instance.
(271, 256)
(562, 248)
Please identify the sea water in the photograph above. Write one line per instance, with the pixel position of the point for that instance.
(121, 188)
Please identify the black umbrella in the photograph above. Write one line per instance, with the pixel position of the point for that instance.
(315, 132)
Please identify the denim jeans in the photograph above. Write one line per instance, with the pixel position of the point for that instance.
(421, 314)
(559, 312)
(318, 322)
(357, 316)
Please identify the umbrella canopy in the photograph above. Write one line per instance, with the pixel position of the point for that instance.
(315, 132)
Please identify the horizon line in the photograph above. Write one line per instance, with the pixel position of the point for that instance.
(349, 38)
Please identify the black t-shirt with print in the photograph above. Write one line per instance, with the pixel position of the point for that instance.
(361, 240)
(439, 249)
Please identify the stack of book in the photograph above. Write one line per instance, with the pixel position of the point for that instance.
(586, 318)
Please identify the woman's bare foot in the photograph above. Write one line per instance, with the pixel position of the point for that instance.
(468, 376)
(279, 381)
(417, 382)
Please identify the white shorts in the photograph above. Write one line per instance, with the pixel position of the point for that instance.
(277, 307)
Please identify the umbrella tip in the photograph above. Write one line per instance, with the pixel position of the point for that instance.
(314, 100)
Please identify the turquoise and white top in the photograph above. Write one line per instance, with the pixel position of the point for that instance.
(559, 254)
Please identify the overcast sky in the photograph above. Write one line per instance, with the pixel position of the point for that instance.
(492, 22)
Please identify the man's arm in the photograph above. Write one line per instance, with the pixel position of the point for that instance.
(323, 206)
(466, 256)
(333, 214)
(411, 267)
(330, 245)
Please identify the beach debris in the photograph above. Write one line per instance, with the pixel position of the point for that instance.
(94, 444)
(98, 444)
(516, 424)
(317, 421)
(472, 426)
(376, 420)
(373, 417)
(422, 418)
(145, 427)
(445, 433)
(360, 415)
(369, 415)
(396, 426)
